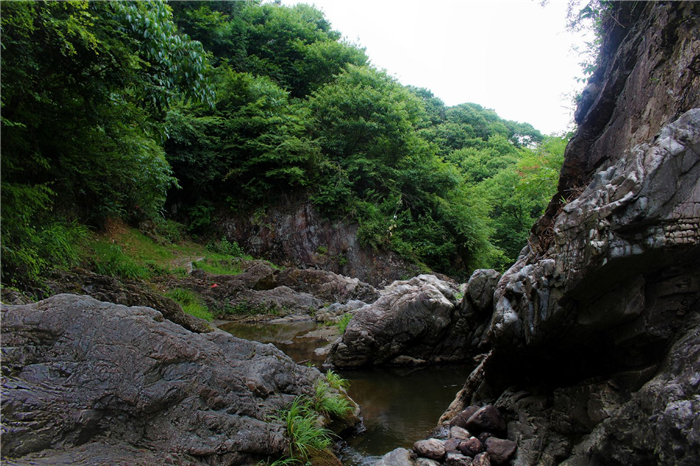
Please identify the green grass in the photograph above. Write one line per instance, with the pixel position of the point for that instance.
(342, 324)
(330, 402)
(190, 303)
(110, 259)
(304, 435)
(336, 381)
(219, 264)
(245, 309)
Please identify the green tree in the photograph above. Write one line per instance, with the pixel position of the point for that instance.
(83, 86)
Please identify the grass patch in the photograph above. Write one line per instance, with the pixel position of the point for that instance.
(336, 381)
(110, 259)
(303, 433)
(190, 303)
(342, 324)
(329, 402)
(219, 264)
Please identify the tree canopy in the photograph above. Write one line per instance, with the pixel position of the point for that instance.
(116, 109)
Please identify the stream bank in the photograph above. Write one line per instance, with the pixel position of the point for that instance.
(399, 404)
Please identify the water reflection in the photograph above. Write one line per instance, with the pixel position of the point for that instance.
(399, 405)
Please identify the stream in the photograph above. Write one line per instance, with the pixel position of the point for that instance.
(399, 405)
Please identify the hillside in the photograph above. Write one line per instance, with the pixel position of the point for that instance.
(215, 115)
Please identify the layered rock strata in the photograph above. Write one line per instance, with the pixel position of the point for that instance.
(594, 341)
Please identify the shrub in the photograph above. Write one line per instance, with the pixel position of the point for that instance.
(225, 247)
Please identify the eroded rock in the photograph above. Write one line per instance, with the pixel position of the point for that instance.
(89, 376)
(413, 322)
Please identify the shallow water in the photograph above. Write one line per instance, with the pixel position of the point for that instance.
(399, 405)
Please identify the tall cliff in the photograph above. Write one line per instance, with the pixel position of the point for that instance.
(595, 333)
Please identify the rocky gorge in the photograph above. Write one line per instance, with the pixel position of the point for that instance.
(590, 350)
(585, 352)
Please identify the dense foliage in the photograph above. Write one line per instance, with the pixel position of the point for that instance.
(113, 109)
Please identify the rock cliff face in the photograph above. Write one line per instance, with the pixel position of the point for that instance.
(294, 233)
(88, 382)
(594, 337)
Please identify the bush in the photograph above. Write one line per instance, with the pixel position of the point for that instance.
(225, 247)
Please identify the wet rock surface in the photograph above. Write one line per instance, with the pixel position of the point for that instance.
(83, 379)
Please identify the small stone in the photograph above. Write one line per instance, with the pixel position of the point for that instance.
(431, 448)
(398, 457)
(500, 450)
(459, 433)
(471, 447)
(482, 459)
(483, 436)
(452, 445)
(426, 462)
(486, 419)
(457, 459)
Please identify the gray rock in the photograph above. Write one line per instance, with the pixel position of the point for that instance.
(480, 289)
(336, 311)
(89, 376)
(590, 341)
(327, 286)
(430, 448)
(398, 457)
(281, 300)
(426, 462)
(500, 450)
(411, 323)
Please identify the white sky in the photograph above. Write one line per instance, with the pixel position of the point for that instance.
(512, 56)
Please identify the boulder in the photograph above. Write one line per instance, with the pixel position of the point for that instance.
(281, 301)
(457, 459)
(126, 292)
(327, 286)
(336, 311)
(471, 447)
(482, 459)
(459, 433)
(413, 322)
(89, 379)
